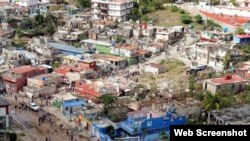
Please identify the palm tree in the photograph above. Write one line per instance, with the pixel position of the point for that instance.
(212, 102)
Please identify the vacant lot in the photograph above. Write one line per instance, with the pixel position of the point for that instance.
(168, 18)
(171, 79)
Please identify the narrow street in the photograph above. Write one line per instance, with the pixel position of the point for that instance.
(28, 120)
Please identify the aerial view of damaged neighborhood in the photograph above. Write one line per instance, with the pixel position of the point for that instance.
(121, 70)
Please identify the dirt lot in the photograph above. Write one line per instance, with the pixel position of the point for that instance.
(174, 76)
(168, 18)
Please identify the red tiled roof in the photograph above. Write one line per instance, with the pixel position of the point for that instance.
(125, 46)
(141, 52)
(86, 89)
(243, 36)
(223, 80)
(23, 69)
(61, 70)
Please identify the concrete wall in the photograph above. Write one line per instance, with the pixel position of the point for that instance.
(224, 10)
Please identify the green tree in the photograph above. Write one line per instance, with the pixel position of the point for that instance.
(51, 19)
(186, 19)
(84, 3)
(191, 84)
(108, 101)
(118, 39)
(182, 11)
(50, 29)
(214, 2)
(217, 101)
(158, 4)
(233, 2)
(227, 60)
(39, 20)
(56, 64)
(198, 19)
(239, 30)
(135, 14)
(246, 48)
(174, 8)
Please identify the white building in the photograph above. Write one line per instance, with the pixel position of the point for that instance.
(27, 3)
(154, 68)
(111, 9)
(4, 114)
(126, 50)
(212, 54)
(229, 82)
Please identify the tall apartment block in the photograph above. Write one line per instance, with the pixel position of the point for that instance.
(112, 9)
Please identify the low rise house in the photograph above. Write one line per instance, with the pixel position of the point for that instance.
(126, 50)
(115, 61)
(140, 122)
(13, 58)
(236, 115)
(40, 46)
(241, 39)
(214, 36)
(169, 35)
(44, 84)
(244, 70)
(67, 103)
(3, 70)
(100, 46)
(4, 115)
(229, 82)
(147, 30)
(5, 30)
(69, 33)
(5, 42)
(16, 78)
(154, 68)
(80, 61)
(154, 47)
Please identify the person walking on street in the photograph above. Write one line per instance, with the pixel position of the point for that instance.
(16, 97)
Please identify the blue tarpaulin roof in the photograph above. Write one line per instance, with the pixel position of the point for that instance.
(74, 103)
(66, 48)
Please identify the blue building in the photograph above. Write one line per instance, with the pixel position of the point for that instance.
(143, 124)
(149, 124)
(241, 39)
(66, 49)
(68, 104)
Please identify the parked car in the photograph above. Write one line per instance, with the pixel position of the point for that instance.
(33, 106)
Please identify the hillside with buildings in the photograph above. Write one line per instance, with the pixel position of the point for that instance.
(107, 70)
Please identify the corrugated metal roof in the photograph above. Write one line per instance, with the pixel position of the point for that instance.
(66, 48)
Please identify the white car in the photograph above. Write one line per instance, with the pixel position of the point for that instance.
(33, 106)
